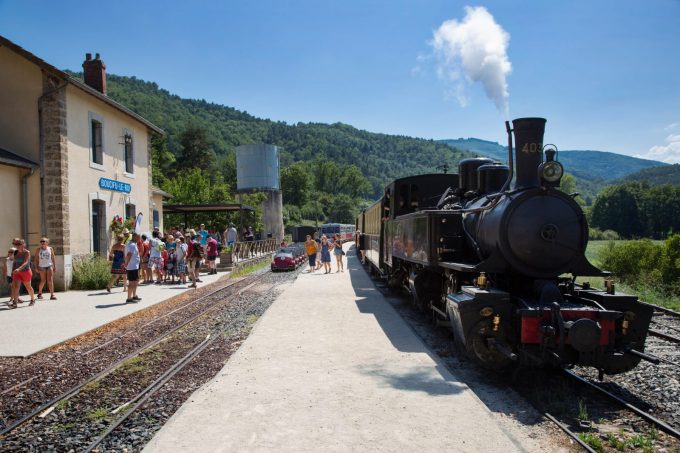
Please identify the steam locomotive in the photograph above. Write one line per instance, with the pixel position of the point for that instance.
(494, 252)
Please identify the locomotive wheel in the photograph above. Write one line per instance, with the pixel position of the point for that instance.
(479, 350)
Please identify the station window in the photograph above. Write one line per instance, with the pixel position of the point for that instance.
(130, 211)
(128, 151)
(156, 219)
(96, 148)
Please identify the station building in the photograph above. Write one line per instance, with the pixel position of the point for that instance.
(71, 159)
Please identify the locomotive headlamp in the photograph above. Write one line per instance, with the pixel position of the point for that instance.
(551, 172)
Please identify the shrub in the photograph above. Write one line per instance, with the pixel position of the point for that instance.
(90, 272)
(595, 234)
(631, 259)
(670, 261)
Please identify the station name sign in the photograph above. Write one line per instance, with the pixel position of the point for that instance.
(110, 184)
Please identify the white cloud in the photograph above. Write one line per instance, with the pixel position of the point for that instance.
(669, 153)
(473, 50)
(672, 126)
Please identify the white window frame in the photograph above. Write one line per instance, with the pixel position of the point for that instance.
(125, 173)
(130, 201)
(90, 198)
(92, 116)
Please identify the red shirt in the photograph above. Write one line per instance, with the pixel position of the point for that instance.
(212, 247)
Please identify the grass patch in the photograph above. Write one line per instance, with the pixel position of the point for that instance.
(252, 318)
(582, 411)
(91, 386)
(134, 365)
(61, 405)
(593, 440)
(97, 414)
(645, 442)
(249, 269)
(61, 427)
(616, 443)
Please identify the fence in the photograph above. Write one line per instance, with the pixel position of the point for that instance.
(252, 249)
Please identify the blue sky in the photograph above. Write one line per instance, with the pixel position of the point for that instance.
(606, 74)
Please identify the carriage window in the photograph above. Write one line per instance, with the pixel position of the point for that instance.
(415, 196)
(403, 196)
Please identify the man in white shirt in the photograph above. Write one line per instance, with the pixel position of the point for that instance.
(132, 261)
(230, 235)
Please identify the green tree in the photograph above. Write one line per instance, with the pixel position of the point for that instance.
(343, 209)
(192, 187)
(296, 183)
(353, 182)
(195, 149)
(162, 160)
(616, 208)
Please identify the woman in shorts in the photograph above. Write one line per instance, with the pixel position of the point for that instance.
(337, 251)
(325, 254)
(45, 263)
(310, 248)
(21, 271)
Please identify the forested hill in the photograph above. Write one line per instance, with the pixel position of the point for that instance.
(380, 157)
(655, 176)
(589, 165)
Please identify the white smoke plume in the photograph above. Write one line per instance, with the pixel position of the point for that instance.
(474, 50)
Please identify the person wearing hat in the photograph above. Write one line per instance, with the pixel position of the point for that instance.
(230, 235)
(132, 261)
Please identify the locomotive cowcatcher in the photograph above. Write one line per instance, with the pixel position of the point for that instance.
(494, 251)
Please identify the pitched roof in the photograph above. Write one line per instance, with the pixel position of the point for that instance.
(14, 160)
(77, 83)
(159, 191)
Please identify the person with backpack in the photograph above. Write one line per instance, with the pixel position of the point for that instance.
(194, 260)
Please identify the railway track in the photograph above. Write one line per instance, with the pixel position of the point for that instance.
(141, 398)
(559, 401)
(25, 399)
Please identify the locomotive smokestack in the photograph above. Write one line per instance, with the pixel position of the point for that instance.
(528, 150)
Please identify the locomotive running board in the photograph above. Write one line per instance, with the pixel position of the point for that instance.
(460, 267)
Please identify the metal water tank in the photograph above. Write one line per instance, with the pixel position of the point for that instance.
(257, 168)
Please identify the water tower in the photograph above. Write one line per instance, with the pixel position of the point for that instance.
(257, 170)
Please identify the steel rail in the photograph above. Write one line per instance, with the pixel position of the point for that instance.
(95, 348)
(650, 418)
(74, 390)
(665, 325)
(190, 304)
(665, 336)
(662, 309)
(570, 433)
(145, 394)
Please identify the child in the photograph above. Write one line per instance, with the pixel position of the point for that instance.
(9, 262)
(170, 265)
(181, 257)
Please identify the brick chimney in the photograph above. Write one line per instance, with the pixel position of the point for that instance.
(95, 72)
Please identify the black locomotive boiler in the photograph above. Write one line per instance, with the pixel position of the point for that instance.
(494, 251)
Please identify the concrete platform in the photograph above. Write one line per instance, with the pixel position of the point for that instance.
(27, 330)
(332, 367)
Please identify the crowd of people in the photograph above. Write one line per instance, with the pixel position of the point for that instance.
(155, 258)
(319, 252)
(172, 257)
